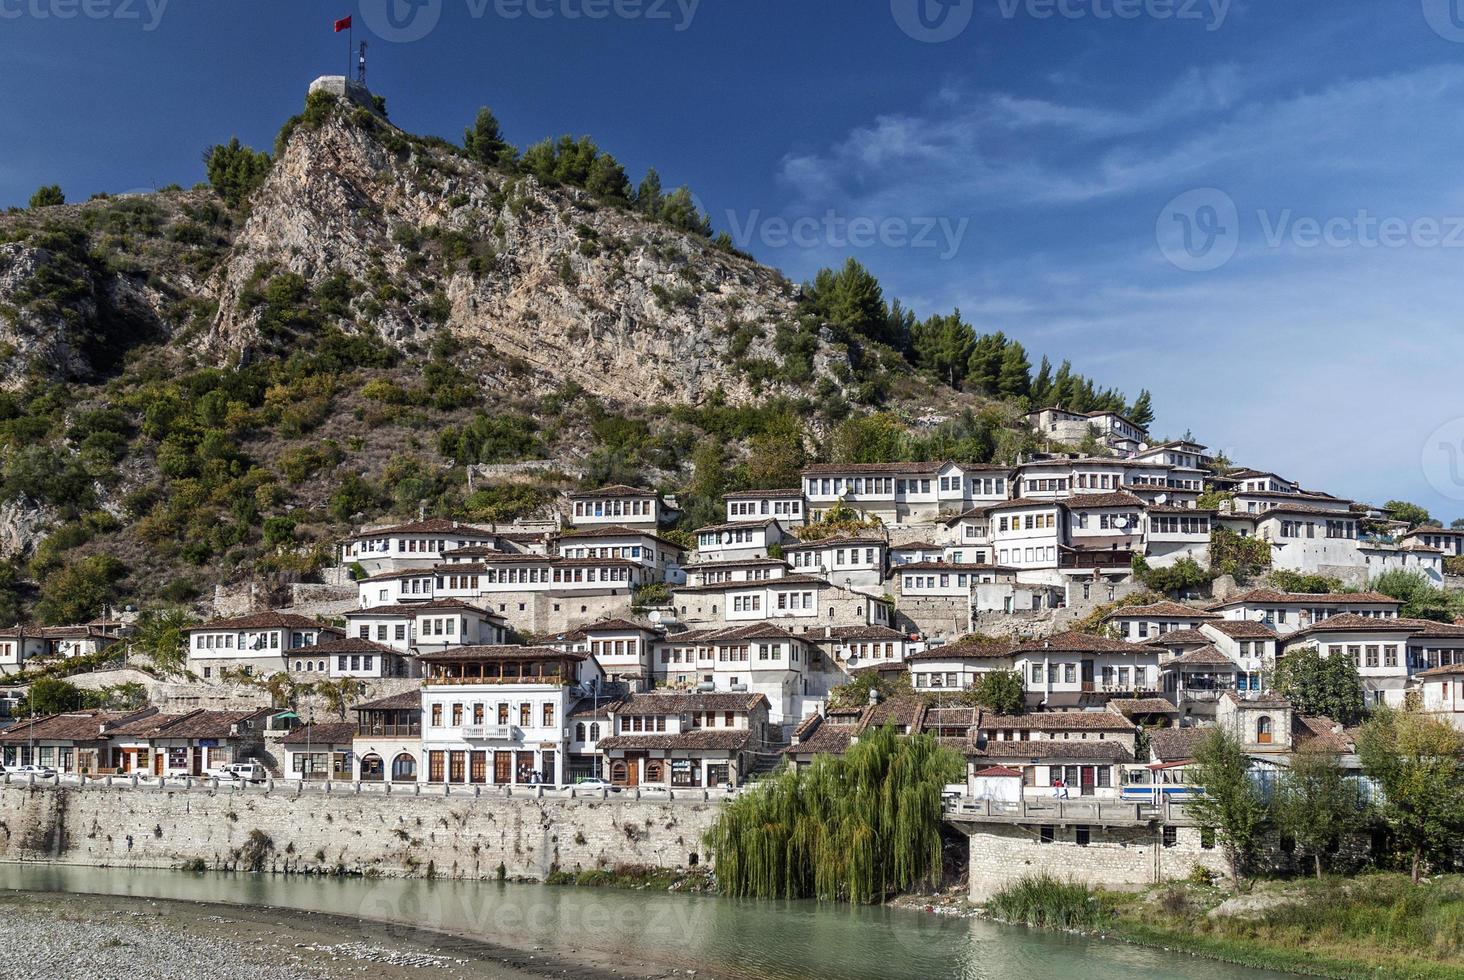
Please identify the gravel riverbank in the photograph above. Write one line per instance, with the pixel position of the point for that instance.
(97, 937)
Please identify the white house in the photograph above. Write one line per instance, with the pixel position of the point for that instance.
(418, 544)
(685, 739)
(423, 627)
(661, 556)
(856, 562)
(787, 507)
(896, 493)
(1136, 624)
(1286, 612)
(497, 715)
(1442, 689)
(620, 505)
(1027, 533)
(738, 540)
(258, 643)
(1059, 670)
(959, 665)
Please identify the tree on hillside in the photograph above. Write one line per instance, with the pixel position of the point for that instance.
(1042, 384)
(1317, 804)
(775, 456)
(47, 197)
(983, 368)
(485, 143)
(679, 210)
(1457, 524)
(851, 301)
(1231, 804)
(1141, 412)
(877, 438)
(1414, 758)
(648, 195)
(1014, 380)
(80, 590)
(1404, 511)
(50, 696)
(1317, 685)
(702, 501)
(608, 182)
(340, 694)
(943, 345)
(235, 170)
(1420, 599)
(1001, 691)
(160, 636)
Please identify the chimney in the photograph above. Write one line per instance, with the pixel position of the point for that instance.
(873, 696)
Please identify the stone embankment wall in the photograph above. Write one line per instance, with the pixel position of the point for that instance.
(367, 833)
(1113, 857)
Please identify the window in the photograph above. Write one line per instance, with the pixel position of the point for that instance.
(1263, 730)
(1045, 835)
(1081, 835)
(1171, 835)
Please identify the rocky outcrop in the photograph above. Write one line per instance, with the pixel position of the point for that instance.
(541, 285)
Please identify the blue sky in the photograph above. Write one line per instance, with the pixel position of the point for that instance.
(1253, 208)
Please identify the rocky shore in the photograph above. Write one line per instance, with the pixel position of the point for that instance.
(92, 937)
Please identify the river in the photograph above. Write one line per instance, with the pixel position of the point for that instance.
(717, 937)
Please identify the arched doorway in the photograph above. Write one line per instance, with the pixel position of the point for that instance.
(404, 769)
(1263, 730)
(373, 770)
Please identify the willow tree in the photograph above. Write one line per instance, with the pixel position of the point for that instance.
(853, 828)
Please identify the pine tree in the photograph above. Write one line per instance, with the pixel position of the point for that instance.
(485, 143)
(648, 197)
(984, 365)
(607, 180)
(1015, 378)
(1142, 412)
(51, 195)
(1042, 384)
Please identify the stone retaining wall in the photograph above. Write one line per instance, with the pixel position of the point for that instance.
(367, 833)
(1114, 857)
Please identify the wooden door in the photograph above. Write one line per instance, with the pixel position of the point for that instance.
(502, 768)
(632, 772)
(1089, 780)
(478, 767)
(158, 758)
(524, 768)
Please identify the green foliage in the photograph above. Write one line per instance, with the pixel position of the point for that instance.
(1289, 581)
(1415, 759)
(701, 502)
(160, 636)
(853, 828)
(1001, 691)
(1046, 902)
(47, 197)
(80, 590)
(355, 495)
(679, 210)
(1317, 685)
(485, 143)
(1419, 598)
(1185, 575)
(235, 171)
(856, 694)
(651, 594)
(1232, 804)
(1141, 412)
(1413, 514)
(1237, 555)
(506, 502)
(840, 519)
(50, 696)
(1318, 805)
(499, 438)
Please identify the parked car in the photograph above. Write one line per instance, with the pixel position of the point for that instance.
(40, 772)
(244, 772)
(595, 782)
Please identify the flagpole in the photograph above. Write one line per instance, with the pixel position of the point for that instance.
(350, 47)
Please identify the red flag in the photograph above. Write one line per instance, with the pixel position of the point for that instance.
(342, 24)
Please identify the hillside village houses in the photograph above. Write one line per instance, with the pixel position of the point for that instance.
(612, 646)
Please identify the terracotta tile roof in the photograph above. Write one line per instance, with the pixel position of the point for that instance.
(1175, 744)
(55, 633)
(81, 726)
(1177, 638)
(861, 633)
(1129, 707)
(501, 652)
(1056, 748)
(1172, 610)
(417, 608)
(757, 494)
(835, 541)
(968, 648)
(818, 735)
(1353, 623)
(951, 717)
(708, 739)
(614, 490)
(675, 704)
(759, 583)
(1057, 721)
(1241, 629)
(1277, 598)
(345, 644)
(697, 566)
(1203, 657)
(1016, 502)
(1003, 771)
(1447, 670)
(948, 566)
(270, 619)
(1320, 734)
(329, 733)
(735, 526)
(907, 712)
(435, 525)
(1075, 642)
(1116, 499)
(393, 702)
(878, 469)
(193, 724)
(617, 531)
(408, 573)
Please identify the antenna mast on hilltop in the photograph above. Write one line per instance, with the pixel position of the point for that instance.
(361, 68)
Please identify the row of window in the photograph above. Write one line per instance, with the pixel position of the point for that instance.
(478, 711)
(640, 507)
(1028, 522)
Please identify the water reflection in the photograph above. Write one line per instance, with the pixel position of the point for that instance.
(743, 940)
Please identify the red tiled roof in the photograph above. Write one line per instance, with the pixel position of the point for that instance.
(1075, 642)
(709, 739)
(270, 619)
(614, 490)
(434, 525)
(1174, 610)
(1242, 629)
(330, 733)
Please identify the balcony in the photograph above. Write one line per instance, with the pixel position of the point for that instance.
(1111, 558)
(491, 733)
(410, 730)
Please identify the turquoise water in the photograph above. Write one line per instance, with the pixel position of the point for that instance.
(723, 938)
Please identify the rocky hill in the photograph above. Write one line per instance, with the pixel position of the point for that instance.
(211, 385)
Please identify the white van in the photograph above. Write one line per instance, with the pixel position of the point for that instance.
(244, 772)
